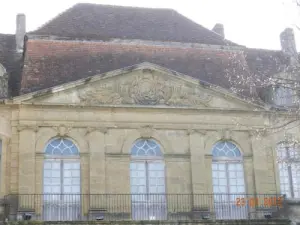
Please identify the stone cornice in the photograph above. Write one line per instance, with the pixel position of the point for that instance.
(92, 126)
(196, 109)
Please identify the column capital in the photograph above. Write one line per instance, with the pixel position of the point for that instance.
(258, 133)
(27, 127)
(196, 131)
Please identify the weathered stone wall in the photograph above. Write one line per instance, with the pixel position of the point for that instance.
(291, 210)
(105, 136)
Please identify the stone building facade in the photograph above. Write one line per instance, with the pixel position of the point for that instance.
(139, 104)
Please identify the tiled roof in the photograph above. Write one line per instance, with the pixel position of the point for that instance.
(88, 49)
(11, 60)
(49, 63)
(103, 22)
(7, 47)
(266, 62)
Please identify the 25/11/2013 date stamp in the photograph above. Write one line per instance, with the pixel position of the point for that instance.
(259, 201)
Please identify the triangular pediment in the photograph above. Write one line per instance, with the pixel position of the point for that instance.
(141, 85)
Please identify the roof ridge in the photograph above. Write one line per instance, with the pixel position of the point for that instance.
(93, 4)
(166, 24)
(123, 6)
(1, 34)
(51, 20)
(218, 36)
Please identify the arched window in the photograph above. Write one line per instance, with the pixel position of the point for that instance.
(147, 180)
(61, 180)
(146, 148)
(284, 96)
(61, 147)
(288, 154)
(228, 180)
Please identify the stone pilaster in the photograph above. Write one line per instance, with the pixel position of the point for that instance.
(39, 171)
(249, 175)
(27, 167)
(5, 143)
(95, 163)
(27, 140)
(200, 173)
(96, 139)
(13, 173)
(264, 165)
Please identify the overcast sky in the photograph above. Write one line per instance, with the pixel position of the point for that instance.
(254, 23)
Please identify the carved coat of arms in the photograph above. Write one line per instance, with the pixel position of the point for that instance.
(145, 89)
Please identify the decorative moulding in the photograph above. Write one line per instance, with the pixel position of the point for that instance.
(62, 130)
(27, 127)
(146, 131)
(258, 133)
(225, 134)
(89, 130)
(148, 89)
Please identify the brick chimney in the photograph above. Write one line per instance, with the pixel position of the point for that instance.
(20, 32)
(219, 29)
(288, 44)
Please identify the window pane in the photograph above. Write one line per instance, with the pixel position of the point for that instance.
(146, 147)
(156, 172)
(288, 155)
(138, 177)
(240, 189)
(225, 149)
(61, 146)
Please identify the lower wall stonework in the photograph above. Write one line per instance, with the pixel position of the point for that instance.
(219, 222)
(291, 210)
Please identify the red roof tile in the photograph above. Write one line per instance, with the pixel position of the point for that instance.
(49, 63)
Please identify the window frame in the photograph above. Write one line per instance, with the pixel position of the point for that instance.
(290, 161)
(147, 199)
(227, 200)
(284, 96)
(57, 201)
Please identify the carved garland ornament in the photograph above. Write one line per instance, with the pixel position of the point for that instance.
(146, 131)
(62, 130)
(147, 89)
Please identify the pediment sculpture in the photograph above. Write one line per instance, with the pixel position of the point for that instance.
(145, 89)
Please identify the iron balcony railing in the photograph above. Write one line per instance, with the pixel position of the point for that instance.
(81, 207)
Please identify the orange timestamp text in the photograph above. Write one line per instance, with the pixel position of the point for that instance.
(258, 202)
